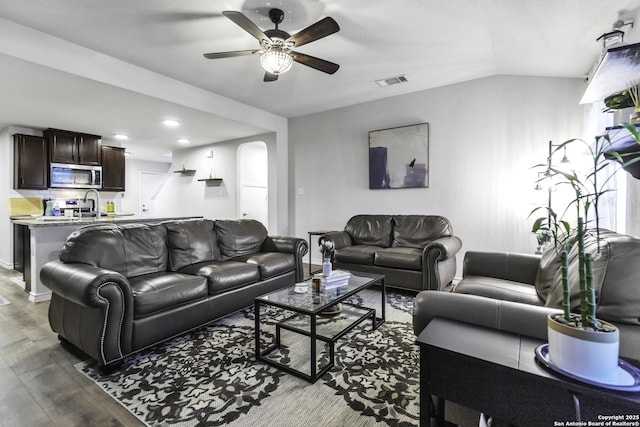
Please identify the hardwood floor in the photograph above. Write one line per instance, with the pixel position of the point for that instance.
(38, 384)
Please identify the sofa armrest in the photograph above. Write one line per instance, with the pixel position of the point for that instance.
(340, 239)
(514, 317)
(290, 245)
(439, 261)
(81, 283)
(446, 247)
(507, 266)
(91, 307)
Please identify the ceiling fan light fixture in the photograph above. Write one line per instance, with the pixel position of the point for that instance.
(276, 61)
(276, 46)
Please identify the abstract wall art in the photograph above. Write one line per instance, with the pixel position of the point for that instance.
(399, 157)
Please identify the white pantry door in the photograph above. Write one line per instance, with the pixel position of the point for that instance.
(150, 185)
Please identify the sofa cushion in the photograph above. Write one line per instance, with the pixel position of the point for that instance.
(131, 249)
(405, 258)
(615, 277)
(415, 231)
(156, 292)
(191, 242)
(374, 230)
(223, 276)
(270, 264)
(549, 277)
(145, 248)
(240, 237)
(499, 289)
(358, 254)
(619, 298)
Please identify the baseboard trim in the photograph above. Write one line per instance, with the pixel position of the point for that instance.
(5, 264)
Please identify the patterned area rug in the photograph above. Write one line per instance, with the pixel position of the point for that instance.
(210, 377)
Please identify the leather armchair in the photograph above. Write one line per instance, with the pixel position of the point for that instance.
(516, 292)
(505, 276)
(498, 314)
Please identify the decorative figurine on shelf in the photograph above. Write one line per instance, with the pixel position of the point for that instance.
(326, 249)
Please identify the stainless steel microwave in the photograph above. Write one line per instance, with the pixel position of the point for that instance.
(75, 176)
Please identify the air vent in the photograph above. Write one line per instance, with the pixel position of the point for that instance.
(392, 81)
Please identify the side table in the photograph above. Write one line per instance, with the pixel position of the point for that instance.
(314, 233)
(496, 373)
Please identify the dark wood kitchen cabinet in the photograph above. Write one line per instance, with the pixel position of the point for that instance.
(30, 166)
(112, 168)
(73, 147)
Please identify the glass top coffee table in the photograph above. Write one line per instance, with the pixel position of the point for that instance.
(303, 340)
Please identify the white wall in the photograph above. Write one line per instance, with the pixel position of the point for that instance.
(129, 201)
(484, 137)
(184, 195)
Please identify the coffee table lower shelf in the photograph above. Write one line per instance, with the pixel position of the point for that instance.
(321, 331)
(325, 329)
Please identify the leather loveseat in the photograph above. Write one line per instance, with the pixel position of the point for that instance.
(415, 252)
(118, 289)
(515, 292)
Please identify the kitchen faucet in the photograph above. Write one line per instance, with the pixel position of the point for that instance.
(97, 206)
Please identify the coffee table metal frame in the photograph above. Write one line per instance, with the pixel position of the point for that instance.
(315, 303)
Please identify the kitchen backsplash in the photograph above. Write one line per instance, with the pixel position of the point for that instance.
(68, 193)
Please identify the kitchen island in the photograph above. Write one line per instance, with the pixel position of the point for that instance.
(45, 236)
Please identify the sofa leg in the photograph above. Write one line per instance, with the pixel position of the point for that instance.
(111, 367)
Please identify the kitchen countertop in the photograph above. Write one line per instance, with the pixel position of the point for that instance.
(47, 236)
(64, 221)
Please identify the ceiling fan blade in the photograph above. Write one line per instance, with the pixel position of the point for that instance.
(270, 77)
(246, 24)
(313, 62)
(313, 32)
(231, 54)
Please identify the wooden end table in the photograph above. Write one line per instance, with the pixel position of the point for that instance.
(496, 373)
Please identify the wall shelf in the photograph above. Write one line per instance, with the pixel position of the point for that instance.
(212, 182)
(184, 171)
(619, 66)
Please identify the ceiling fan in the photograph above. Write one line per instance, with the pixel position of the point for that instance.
(276, 46)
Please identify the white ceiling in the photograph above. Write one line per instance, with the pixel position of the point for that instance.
(432, 42)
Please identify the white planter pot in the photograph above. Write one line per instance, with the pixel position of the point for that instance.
(592, 355)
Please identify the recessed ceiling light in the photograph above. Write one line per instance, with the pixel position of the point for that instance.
(184, 140)
(120, 136)
(171, 123)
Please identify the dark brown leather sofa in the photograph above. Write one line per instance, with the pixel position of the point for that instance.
(515, 292)
(415, 252)
(118, 289)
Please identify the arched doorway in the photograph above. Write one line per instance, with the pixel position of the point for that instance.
(253, 179)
